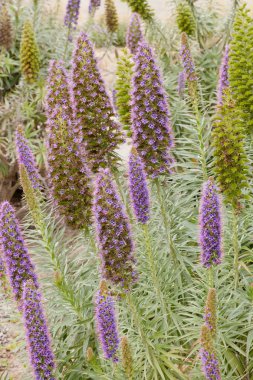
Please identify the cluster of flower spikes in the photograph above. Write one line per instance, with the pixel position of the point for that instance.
(223, 82)
(230, 159)
(185, 18)
(92, 107)
(16, 257)
(29, 54)
(113, 233)
(210, 225)
(39, 345)
(189, 68)
(68, 173)
(127, 359)
(25, 157)
(138, 188)
(72, 13)
(141, 7)
(152, 134)
(106, 322)
(93, 5)
(210, 364)
(111, 16)
(5, 28)
(134, 33)
(241, 65)
(124, 75)
(210, 311)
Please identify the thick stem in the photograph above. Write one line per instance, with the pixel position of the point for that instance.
(166, 222)
(211, 277)
(236, 247)
(202, 151)
(66, 44)
(153, 270)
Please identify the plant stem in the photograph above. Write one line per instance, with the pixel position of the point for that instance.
(202, 151)
(66, 44)
(153, 270)
(235, 246)
(122, 195)
(166, 222)
(211, 277)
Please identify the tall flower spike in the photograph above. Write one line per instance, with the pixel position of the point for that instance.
(94, 4)
(230, 159)
(141, 7)
(38, 341)
(106, 323)
(124, 75)
(223, 77)
(92, 107)
(111, 16)
(25, 156)
(210, 225)
(210, 364)
(210, 311)
(29, 54)
(113, 233)
(134, 33)
(72, 13)
(241, 64)
(5, 28)
(189, 68)
(68, 173)
(152, 134)
(16, 256)
(185, 19)
(181, 83)
(138, 188)
(127, 359)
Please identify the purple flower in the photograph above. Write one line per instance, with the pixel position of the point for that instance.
(106, 323)
(152, 134)
(17, 260)
(223, 76)
(38, 341)
(181, 83)
(69, 175)
(189, 67)
(94, 4)
(138, 188)
(92, 107)
(134, 33)
(210, 225)
(113, 233)
(210, 364)
(25, 156)
(72, 12)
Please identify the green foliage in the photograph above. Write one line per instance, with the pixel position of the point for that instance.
(124, 75)
(111, 16)
(241, 64)
(185, 19)
(29, 54)
(230, 160)
(142, 7)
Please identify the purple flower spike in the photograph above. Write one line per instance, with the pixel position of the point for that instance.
(72, 13)
(17, 260)
(138, 188)
(68, 172)
(134, 33)
(113, 233)
(181, 83)
(94, 4)
(210, 364)
(92, 107)
(25, 156)
(152, 134)
(189, 67)
(106, 323)
(210, 225)
(223, 77)
(38, 341)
